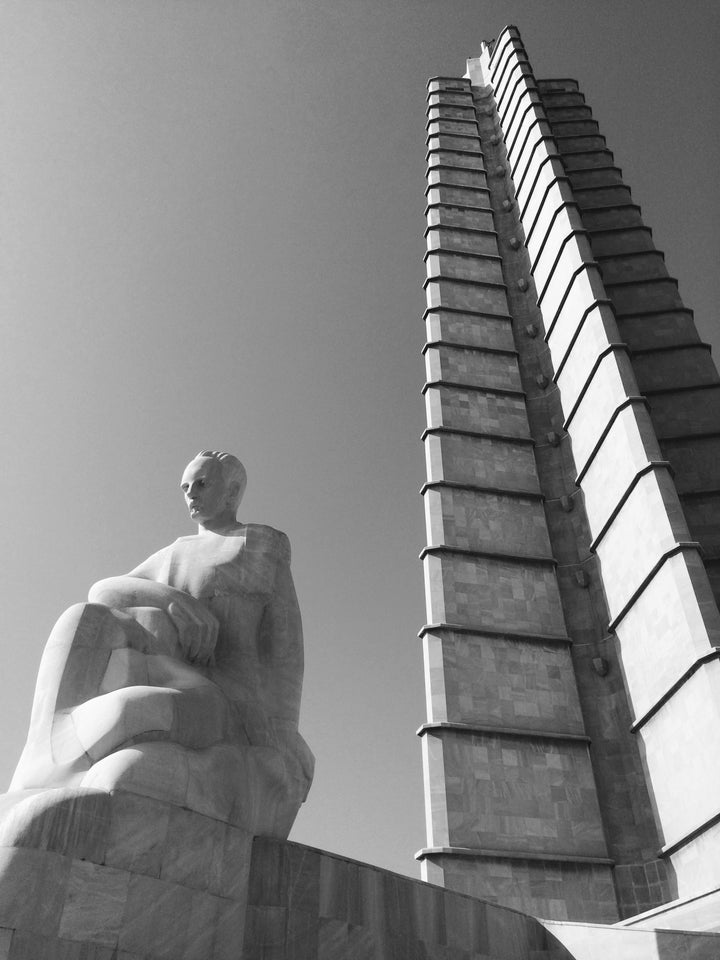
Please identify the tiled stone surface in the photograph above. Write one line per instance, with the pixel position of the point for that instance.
(179, 893)
(477, 410)
(308, 904)
(481, 461)
(466, 296)
(470, 330)
(557, 890)
(492, 370)
(504, 682)
(550, 802)
(497, 594)
(486, 521)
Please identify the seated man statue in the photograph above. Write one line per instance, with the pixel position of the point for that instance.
(181, 681)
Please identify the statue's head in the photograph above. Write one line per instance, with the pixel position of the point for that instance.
(213, 484)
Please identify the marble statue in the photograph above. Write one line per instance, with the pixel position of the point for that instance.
(181, 681)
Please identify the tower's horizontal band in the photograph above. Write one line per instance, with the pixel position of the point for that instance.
(478, 434)
(467, 311)
(499, 555)
(499, 391)
(482, 853)
(474, 347)
(523, 733)
(479, 488)
(468, 254)
(478, 630)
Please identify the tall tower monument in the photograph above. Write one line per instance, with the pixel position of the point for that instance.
(572, 743)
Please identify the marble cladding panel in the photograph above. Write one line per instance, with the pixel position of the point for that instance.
(703, 518)
(472, 367)
(481, 461)
(437, 97)
(639, 535)
(627, 446)
(499, 594)
(573, 144)
(512, 794)
(694, 461)
(644, 296)
(559, 285)
(603, 196)
(311, 905)
(588, 158)
(641, 886)
(547, 233)
(621, 215)
(462, 241)
(457, 266)
(685, 780)
(605, 393)
(501, 681)
(697, 864)
(665, 627)
(660, 329)
(594, 177)
(577, 127)
(475, 520)
(556, 891)
(466, 296)
(476, 410)
(639, 266)
(444, 141)
(458, 196)
(687, 413)
(583, 290)
(469, 329)
(453, 128)
(682, 367)
(450, 84)
(596, 333)
(625, 241)
(457, 177)
(451, 111)
(451, 158)
(537, 183)
(450, 216)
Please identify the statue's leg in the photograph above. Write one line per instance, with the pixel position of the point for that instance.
(72, 671)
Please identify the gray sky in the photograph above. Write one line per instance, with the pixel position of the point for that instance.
(213, 237)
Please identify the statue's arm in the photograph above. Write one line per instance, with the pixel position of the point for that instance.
(197, 628)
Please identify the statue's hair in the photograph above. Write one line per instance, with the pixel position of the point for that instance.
(233, 471)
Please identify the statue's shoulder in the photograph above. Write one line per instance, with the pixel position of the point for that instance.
(261, 537)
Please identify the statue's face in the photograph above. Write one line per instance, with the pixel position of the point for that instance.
(205, 490)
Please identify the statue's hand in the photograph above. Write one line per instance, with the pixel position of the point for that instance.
(197, 630)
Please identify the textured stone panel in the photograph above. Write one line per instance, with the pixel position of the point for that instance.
(450, 216)
(505, 682)
(475, 520)
(559, 890)
(453, 364)
(481, 461)
(466, 296)
(470, 329)
(500, 594)
(461, 267)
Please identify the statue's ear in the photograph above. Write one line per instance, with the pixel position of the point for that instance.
(233, 494)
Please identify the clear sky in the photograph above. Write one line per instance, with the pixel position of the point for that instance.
(213, 237)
